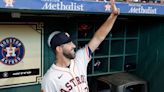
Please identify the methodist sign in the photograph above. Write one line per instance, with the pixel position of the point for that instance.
(81, 6)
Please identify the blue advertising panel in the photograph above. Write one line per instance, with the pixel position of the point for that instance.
(82, 6)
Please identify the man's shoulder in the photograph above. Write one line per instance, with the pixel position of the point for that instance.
(50, 74)
(81, 50)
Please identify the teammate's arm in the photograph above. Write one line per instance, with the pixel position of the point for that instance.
(103, 31)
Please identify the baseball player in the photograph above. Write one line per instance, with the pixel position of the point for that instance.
(69, 71)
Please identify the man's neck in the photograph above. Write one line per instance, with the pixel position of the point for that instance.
(63, 62)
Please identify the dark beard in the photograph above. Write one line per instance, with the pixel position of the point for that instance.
(68, 55)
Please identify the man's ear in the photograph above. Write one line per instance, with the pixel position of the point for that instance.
(58, 49)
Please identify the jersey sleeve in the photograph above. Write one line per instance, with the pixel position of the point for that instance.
(48, 86)
(84, 55)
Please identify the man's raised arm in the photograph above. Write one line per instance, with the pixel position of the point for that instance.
(106, 27)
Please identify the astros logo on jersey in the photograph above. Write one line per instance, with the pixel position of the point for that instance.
(9, 3)
(11, 51)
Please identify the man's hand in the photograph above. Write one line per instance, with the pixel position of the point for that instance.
(115, 10)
